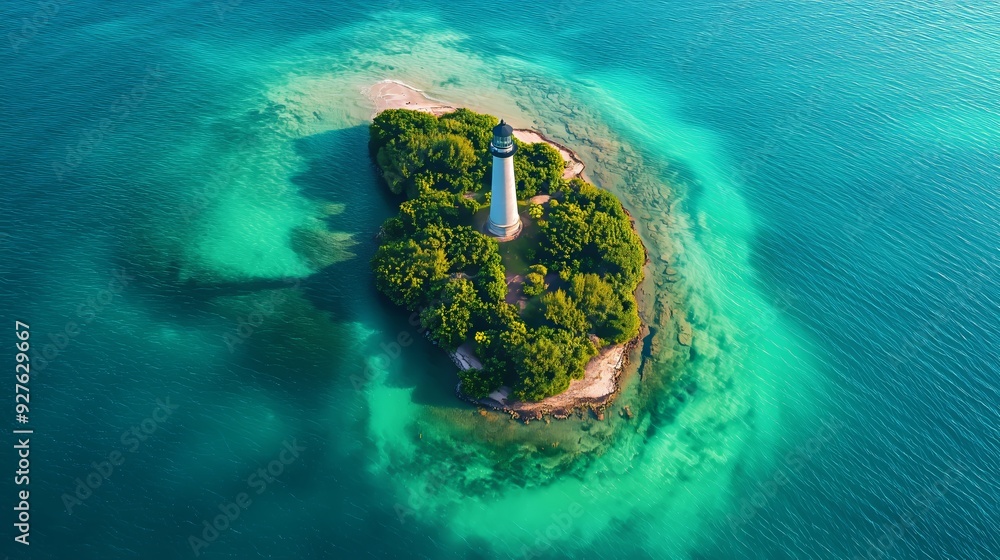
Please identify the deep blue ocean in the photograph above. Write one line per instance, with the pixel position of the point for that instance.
(188, 212)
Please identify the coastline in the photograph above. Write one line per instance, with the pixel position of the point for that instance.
(393, 94)
(595, 392)
(606, 372)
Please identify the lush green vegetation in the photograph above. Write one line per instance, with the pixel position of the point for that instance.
(534, 283)
(432, 261)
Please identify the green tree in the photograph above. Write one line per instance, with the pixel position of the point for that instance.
(537, 166)
(548, 360)
(613, 317)
(469, 250)
(479, 383)
(392, 229)
(593, 198)
(565, 234)
(491, 282)
(478, 128)
(452, 160)
(504, 333)
(563, 312)
(409, 273)
(398, 124)
(595, 297)
(624, 326)
(534, 283)
(615, 252)
(430, 208)
(448, 320)
(542, 370)
(400, 161)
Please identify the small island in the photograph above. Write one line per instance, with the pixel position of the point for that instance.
(522, 270)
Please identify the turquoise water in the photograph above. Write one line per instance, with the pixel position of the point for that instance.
(823, 177)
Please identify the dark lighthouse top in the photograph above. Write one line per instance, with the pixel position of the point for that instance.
(503, 145)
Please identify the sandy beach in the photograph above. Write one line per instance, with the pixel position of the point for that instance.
(391, 94)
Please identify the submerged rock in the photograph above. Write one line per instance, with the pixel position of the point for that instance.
(685, 334)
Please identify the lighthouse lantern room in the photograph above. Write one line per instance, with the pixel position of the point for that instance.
(504, 223)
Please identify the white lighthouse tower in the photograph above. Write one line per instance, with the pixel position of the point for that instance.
(504, 222)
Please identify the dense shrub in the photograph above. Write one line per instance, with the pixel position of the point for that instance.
(537, 167)
(534, 282)
(590, 232)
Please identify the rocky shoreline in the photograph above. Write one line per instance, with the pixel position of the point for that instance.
(564, 407)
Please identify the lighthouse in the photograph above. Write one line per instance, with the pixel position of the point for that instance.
(504, 222)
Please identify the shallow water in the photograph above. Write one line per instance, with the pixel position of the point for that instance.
(823, 178)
